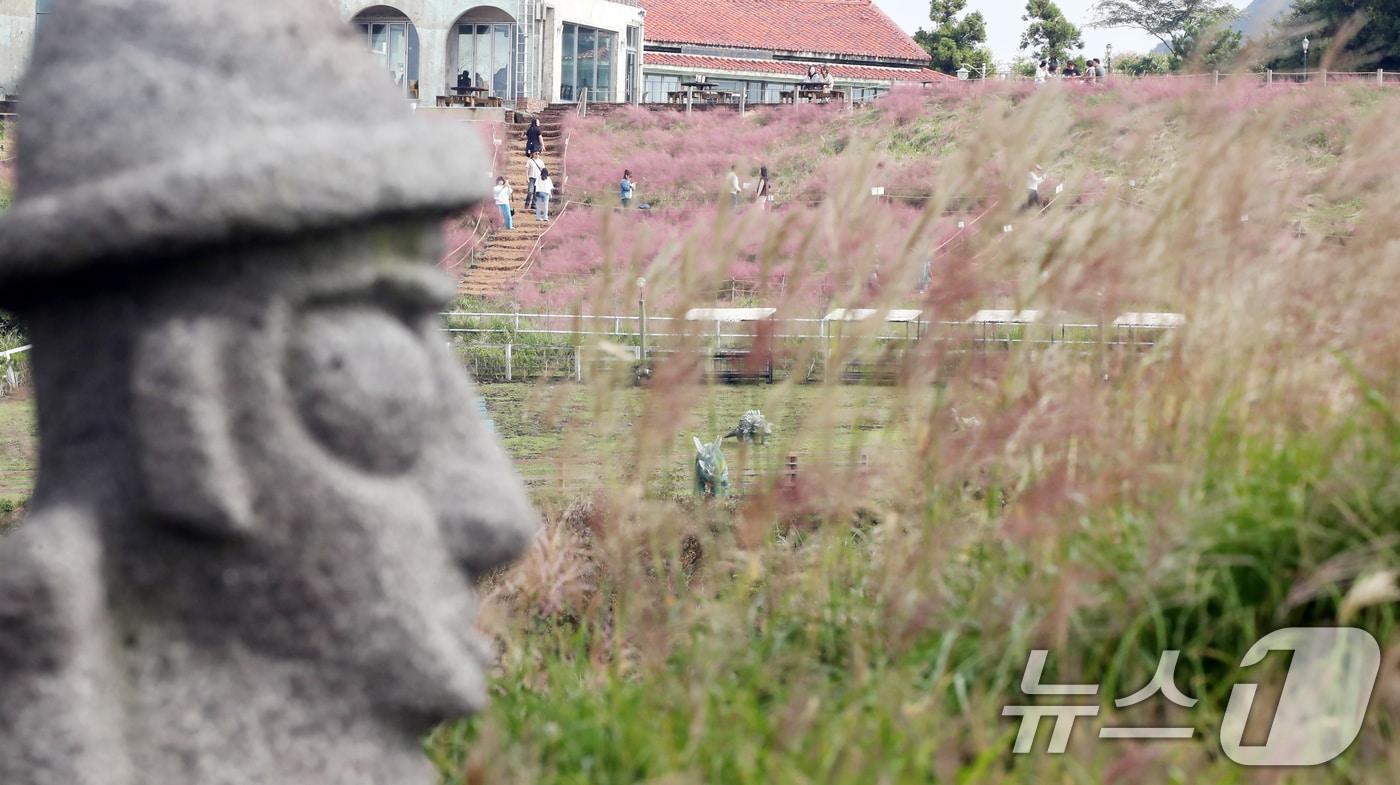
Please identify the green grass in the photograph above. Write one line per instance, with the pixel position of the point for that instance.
(568, 442)
(18, 454)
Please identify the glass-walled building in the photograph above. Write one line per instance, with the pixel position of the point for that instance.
(763, 51)
(510, 50)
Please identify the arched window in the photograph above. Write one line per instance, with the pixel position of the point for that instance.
(393, 40)
(483, 52)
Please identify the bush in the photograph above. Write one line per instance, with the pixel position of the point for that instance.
(1153, 64)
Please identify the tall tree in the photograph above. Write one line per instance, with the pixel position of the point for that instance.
(1178, 24)
(1210, 40)
(954, 42)
(1049, 35)
(1370, 30)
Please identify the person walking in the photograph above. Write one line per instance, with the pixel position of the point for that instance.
(532, 173)
(534, 137)
(736, 189)
(1042, 72)
(503, 192)
(544, 189)
(626, 189)
(1033, 183)
(763, 186)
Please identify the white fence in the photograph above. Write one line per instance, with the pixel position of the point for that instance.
(1044, 327)
(14, 369)
(544, 346)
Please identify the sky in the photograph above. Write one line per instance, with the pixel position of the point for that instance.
(1004, 25)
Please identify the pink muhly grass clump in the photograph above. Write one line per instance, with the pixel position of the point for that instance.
(903, 105)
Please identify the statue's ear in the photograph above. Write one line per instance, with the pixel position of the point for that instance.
(193, 476)
(700, 448)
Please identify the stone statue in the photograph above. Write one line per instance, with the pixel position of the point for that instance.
(752, 427)
(711, 469)
(264, 494)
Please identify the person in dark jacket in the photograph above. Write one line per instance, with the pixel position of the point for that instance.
(534, 141)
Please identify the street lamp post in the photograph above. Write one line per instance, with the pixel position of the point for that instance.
(965, 68)
(642, 370)
(1306, 42)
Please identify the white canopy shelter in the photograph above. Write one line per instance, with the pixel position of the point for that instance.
(729, 315)
(1004, 317)
(861, 314)
(1150, 321)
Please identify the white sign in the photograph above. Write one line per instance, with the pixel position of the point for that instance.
(1321, 710)
(877, 191)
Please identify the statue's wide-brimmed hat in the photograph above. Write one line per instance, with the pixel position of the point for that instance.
(150, 129)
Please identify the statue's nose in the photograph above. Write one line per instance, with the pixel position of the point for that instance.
(486, 514)
(489, 526)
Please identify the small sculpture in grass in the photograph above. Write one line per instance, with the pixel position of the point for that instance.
(753, 427)
(711, 469)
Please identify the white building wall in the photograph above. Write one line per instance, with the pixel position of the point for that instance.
(435, 21)
(613, 17)
(16, 42)
(541, 20)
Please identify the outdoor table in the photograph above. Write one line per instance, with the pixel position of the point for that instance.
(469, 96)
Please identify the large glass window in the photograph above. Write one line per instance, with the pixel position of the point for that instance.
(587, 60)
(657, 88)
(568, 76)
(486, 57)
(634, 38)
(41, 10)
(394, 45)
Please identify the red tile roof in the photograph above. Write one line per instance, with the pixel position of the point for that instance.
(836, 27)
(793, 69)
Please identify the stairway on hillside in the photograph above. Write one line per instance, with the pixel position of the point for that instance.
(504, 253)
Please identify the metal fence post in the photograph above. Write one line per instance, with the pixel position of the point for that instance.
(1269, 76)
(510, 362)
(578, 364)
(689, 100)
(1323, 73)
(1380, 77)
(1217, 79)
(743, 104)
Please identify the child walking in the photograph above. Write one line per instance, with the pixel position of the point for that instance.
(544, 189)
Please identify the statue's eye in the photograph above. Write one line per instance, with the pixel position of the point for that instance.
(363, 385)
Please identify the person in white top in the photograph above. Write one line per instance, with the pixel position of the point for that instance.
(736, 189)
(544, 189)
(1042, 72)
(1033, 183)
(502, 192)
(532, 173)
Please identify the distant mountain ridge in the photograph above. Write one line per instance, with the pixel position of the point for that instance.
(1255, 20)
(1258, 19)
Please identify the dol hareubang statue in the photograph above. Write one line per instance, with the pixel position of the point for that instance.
(263, 495)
